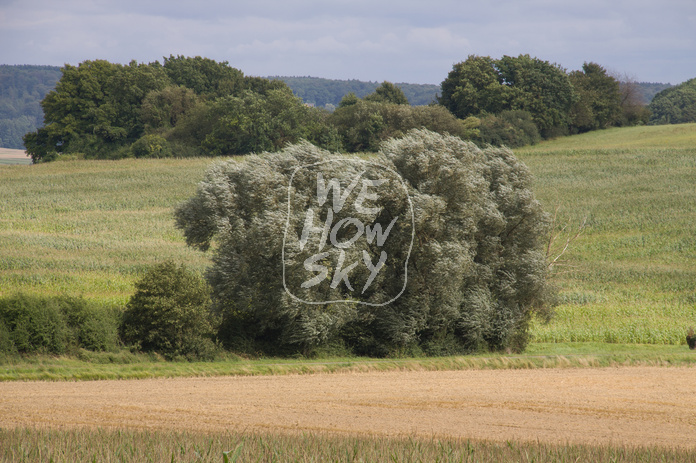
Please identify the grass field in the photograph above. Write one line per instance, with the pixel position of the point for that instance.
(92, 227)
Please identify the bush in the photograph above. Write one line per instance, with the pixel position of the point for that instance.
(170, 314)
(476, 271)
(94, 327)
(36, 324)
(151, 146)
(363, 125)
(6, 344)
(57, 324)
(509, 128)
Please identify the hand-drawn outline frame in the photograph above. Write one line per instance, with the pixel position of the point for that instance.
(413, 233)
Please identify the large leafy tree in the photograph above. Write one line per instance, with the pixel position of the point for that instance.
(539, 87)
(95, 107)
(481, 85)
(675, 105)
(204, 76)
(474, 87)
(598, 102)
(475, 274)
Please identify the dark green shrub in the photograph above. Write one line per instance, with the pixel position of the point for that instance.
(58, 323)
(170, 314)
(6, 344)
(94, 327)
(36, 324)
(365, 124)
(509, 128)
(151, 146)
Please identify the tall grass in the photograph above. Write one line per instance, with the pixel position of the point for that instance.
(78, 445)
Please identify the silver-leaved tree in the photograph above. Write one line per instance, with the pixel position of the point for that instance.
(434, 246)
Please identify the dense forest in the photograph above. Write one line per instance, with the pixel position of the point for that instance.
(21, 90)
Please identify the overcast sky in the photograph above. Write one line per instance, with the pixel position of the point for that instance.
(400, 41)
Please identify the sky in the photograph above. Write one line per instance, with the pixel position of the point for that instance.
(399, 41)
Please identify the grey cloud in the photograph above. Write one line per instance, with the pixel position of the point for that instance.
(409, 40)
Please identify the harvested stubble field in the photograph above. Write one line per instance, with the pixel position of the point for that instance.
(636, 406)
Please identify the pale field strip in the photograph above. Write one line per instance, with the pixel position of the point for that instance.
(10, 156)
(617, 406)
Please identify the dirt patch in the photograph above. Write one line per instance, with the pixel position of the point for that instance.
(10, 156)
(633, 405)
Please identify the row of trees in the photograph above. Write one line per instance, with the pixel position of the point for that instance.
(196, 106)
(522, 88)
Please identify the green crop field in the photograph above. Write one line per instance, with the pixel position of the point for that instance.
(92, 227)
(633, 270)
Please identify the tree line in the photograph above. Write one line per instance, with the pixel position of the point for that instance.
(522, 99)
(199, 107)
(513, 122)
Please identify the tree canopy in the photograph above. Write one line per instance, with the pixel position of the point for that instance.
(436, 246)
(199, 107)
(675, 105)
(598, 99)
(387, 93)
(482, 85)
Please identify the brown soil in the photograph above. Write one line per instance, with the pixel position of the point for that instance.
(632, 405)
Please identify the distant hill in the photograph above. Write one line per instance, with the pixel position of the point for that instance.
(649, 89)
(21, 90)
(321, 92)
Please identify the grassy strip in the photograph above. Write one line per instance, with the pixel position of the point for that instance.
(29, 445)
(646, 136)
(128, 366)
